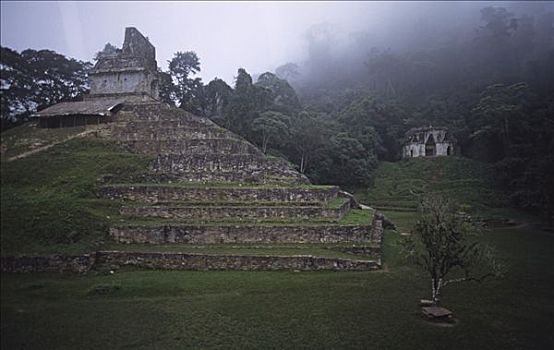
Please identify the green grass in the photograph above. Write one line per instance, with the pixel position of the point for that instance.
(352, 217)
(27, 137)
(280, 249)
(357, 217)
(399, 185)
(285, 310)
(47, 200)
(337, 202)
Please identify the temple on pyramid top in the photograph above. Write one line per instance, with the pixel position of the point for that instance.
(128, 74)
(131, 71)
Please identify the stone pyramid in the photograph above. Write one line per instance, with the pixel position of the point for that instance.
(205, 185)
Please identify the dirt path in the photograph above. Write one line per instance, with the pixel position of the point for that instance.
(44, 148)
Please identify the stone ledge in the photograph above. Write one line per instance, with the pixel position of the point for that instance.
(191, 146)
(156, 193)
(48, 263)
(180, 261)
(211, 212)
(229, 233)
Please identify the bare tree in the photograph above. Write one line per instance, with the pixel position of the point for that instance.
(445, 243)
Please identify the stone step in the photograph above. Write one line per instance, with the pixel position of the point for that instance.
(154, 193)
(247, 176)
(241, 233)
(192, 146)
(203, 262)
(176, 163)
(155, 111)
(252, 212)
(180, 123)
(163, 134)
(130, 121)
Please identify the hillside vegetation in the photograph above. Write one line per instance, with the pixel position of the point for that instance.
(399, 185)
(48, 200)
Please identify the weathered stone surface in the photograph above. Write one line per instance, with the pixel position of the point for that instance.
(209, 167)
(436, 312)
(169, 134)
(48, 263)
(191, 146)
(132, 70)
(245, 233)
(179, 261)
(214, 212)
(162, 193)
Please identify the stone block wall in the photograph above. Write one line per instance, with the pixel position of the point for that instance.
(180, 261)
(162, 134)
(191, 147)
(206, 234)
(219, 212)
(153, 194)
(48, 263)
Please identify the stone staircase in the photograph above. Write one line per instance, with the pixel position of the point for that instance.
(207, 185)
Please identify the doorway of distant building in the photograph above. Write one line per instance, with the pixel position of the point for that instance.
(449, 151)
(412, 153)
(430, 146)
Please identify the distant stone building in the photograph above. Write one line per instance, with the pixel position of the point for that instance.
(428, 142)
(128, 75)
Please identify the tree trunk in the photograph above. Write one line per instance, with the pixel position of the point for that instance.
(436, 285)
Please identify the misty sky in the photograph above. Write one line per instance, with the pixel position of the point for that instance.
(225, 35)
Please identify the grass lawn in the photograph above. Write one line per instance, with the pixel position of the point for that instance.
(286, 310)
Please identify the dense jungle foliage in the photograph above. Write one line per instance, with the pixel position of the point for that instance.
(335, 116)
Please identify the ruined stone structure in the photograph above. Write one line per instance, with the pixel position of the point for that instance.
(205, 184)
(428, 142)
(129, 75)
(132, 71)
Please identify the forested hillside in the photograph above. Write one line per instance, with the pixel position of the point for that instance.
(336, 114)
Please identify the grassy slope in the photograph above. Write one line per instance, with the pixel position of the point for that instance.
(48, 202)
(398, 185)
(26, 137)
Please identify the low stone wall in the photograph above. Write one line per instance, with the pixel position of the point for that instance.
(176, 163)
(48, 263)
(220, 167)
(153, 194)
(180, 261)
(122, 133)
(205, 234)
(156, 111)
(191, 147)
(214, 212)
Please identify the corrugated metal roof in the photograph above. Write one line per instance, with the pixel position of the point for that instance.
(99, 107)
